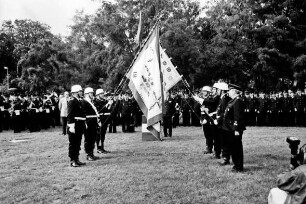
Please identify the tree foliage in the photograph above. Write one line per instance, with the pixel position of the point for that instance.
(255, 43)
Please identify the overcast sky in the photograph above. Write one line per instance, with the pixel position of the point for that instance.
(57, 14)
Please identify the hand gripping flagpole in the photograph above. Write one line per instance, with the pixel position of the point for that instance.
(188, 88)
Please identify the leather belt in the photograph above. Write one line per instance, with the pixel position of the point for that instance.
(80, 118)
(104, 114)
(91, 116)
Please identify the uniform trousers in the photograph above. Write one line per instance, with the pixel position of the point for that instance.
(90, 136)
(75, 140)
(113, 124)
(102, 131)
(226, 139)
(217, 139)
(208, 133)
(167, 122)
(236, 149)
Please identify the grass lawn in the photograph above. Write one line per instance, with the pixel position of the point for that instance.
(172, 171)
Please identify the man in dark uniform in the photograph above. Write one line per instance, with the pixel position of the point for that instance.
(92, 121)
(186, 110)
(206, 121)
(280, 113)
(5, 113)
(76, 122)
(291, 98)
(299, 108)
(17, 119)
(126, 113)
(233, 126)
(286, 108)
(273, 108)
(252, 107)
(224, 99)
(167, 118)
(114, 117)
(262, 109)
(104, 109)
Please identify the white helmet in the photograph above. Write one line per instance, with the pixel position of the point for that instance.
(222, 86)
(99, 91)
(206, 88)
(76, 88)
(88, 90)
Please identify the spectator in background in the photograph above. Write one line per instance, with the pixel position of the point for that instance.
(62, 105)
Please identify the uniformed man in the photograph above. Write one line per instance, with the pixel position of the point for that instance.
(167, 117)
(233, 126)
(186, 110)
(206, 121)
(114, 117)
(262, 109)
(76, 122)
(299, 108)
(104, 108)
(17, 119)
(222, 88)
(92, 121)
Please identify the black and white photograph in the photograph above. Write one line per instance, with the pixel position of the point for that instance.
(153, 101)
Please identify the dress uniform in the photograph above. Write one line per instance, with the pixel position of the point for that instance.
(104, 110)
(5, 113)
(76, 120)
(286, 109)
(233, 126)
(186, 110)
(114, 117)
(299, 107)
(34, 114)
(206, 121)
(224, 99)
(17, 118)
(92, 117)
(126, 114)
(273, 109)
(167, 117)
(262, 110)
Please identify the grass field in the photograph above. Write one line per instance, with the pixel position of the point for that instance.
(172, 171)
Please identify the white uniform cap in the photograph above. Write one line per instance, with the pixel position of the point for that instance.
(222, 86)
(88, 90)
(76, 88)
(99, 91)
(206, 88)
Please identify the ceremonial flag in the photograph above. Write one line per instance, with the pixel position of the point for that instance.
(138, 36)
(170, 74)
(146, 83)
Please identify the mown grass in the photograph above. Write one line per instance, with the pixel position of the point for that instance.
(172, 171)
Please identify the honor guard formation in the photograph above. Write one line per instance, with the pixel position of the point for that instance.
(223, 110)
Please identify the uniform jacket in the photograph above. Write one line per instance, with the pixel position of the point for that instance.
(234, 115)
(169, 107)
(75, 109)
(221, 109)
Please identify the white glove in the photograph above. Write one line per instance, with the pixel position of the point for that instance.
(215, 122)
(71, 127)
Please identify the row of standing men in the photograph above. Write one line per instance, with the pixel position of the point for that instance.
(34, 113)
(222, 117)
